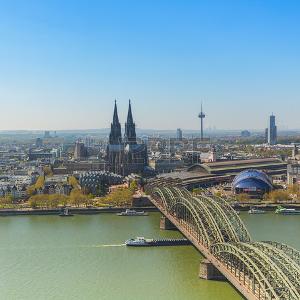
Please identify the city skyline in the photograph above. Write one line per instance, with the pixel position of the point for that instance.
(202, 130)
(62, 65)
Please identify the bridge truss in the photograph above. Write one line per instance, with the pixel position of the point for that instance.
(259, 270)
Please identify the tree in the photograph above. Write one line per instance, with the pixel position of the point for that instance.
(40, 182)
(48, 171)
(48, 201)
(197, 191)
(53, 201)
(73, 182)
(30, 190)
(38, 201)
(266, 197)
(133, 185)
(64, 200)
(38, 185)
(278, 196)
(243, 197)
(218, 193)
(119, 197)
(33, 203)
(6, 201)
(294, 189)
(77, 198)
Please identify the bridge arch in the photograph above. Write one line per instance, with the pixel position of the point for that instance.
(288, 250)
(161, 195)
(282, 282)
(233, 219)
(288, 266)
(222, 220)
(247, 272)
(219, 220)
(209, 221)
(186, 212)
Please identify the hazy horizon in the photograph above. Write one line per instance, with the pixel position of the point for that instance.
(64, 63)
(152, 130)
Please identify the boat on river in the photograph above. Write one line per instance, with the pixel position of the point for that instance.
(66, 213)
(256, 211)
(131, 213)
(286, 211)
(143, 242)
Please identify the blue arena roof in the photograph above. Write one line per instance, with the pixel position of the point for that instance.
(252, 178)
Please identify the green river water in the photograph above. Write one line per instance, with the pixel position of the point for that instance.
(83, 257)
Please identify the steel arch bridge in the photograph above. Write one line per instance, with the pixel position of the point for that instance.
(259, 270)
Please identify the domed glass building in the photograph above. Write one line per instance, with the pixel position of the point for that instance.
(253, 182)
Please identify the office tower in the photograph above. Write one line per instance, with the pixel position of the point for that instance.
(47, 135)
(272, 131)
(80, 151)
(179, 134)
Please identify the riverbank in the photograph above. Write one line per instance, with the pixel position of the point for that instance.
(264, 206)
(98, 210)
(73, 210)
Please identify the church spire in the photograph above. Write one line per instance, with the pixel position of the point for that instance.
(130, 135)
(115, 118)
(115, 136)
(129, 115)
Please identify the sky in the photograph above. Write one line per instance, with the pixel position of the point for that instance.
(63, 63)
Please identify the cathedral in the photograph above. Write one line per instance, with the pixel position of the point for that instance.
(125, 155)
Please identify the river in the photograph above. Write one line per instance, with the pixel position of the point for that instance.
(83, 257)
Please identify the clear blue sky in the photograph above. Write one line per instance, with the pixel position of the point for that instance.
(62, 63)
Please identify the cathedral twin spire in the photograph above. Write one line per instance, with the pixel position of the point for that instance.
(115, 136)
(130, 135)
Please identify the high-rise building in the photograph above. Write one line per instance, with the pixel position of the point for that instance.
(179, 134)
(271, 131)
(295, 151)
(266, 135)
(47, 134)
(80, 151)
(89, 141)
(39, 142)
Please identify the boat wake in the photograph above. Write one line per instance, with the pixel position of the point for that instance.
(60, 247)
(103, 246)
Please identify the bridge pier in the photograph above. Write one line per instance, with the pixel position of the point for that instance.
(166, 224)
(209, 272)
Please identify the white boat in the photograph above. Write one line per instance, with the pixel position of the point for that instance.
(65, 213)
(286, 211)
(142, 242)
(256, 211)
(139, 241)
(132, 212)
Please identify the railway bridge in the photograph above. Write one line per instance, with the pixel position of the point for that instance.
(258, 270)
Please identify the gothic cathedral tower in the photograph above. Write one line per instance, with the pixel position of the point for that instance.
(130, 135)
(115, 136)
